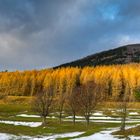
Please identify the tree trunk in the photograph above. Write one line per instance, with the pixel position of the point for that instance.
(87, 119)
(60, 117)
(74, 118)
(123, 117)
(44, 122)
(123, 124)
(60, 112)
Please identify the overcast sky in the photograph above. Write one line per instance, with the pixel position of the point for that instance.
(37, 34)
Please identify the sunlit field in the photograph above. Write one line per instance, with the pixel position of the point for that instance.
(17, 120)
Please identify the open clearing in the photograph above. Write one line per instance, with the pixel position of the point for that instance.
(17, 121)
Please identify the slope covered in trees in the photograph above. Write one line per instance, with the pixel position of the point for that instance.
(113, 81)
(121, 55)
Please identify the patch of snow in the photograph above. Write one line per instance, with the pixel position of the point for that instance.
(4, 136)
(106, 135)
(30, 124)
(105, 121)
(33, 116)
(77, 117)
(103, 135)
(115, 121)
(53, 117)
(97, 114)
(94, 117)
(26, 115)
(53, 137)
(104, 118)
(133, 113)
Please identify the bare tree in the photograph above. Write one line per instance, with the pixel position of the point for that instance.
(61, 103)
(61, 97)
(123, 100)
(89, 98)
(73, 103)
(43, 101)
(123, 105)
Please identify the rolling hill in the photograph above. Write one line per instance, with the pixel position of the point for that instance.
(121, 55)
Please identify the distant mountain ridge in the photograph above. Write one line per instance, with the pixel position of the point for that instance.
(122, 55)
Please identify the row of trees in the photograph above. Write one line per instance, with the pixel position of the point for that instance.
(27, 83)
(81, 99)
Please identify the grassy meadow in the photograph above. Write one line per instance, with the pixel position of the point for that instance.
(12, 106)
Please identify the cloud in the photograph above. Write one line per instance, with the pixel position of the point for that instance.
(42, 33)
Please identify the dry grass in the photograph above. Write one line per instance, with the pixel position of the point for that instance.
(131, 105)
(16, 100)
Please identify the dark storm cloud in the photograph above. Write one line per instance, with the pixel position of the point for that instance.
(45, 33)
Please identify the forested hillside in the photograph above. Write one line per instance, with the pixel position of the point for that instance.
(111, 80)
(121, 55)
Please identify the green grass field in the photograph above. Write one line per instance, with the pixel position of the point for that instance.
(9, 109)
